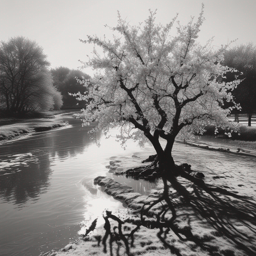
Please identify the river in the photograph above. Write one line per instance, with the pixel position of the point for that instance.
(47, 191)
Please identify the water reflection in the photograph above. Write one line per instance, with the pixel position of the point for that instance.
(95, 205)
(20, 183)
(46, 187)
(41, 195)
(25, 166)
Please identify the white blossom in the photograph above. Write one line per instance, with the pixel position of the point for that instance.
(162, 83)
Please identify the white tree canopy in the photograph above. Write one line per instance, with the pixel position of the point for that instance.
(161, 83)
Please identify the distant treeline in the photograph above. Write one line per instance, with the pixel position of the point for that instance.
(66, 81)
(243, 59)
(27, 85)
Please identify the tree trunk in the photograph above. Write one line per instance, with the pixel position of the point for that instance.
(167, 165)
(7, 101)
(237, 117)
(249, 119)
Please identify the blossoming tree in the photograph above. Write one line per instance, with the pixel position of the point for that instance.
(162, 85)
(157, 86)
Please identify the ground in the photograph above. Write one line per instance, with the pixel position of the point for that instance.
(147, 239)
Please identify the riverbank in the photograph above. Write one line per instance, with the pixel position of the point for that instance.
(146, 240)
(247, 148)
(17, 128)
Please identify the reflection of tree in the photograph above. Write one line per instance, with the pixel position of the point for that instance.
(33, 179)
(29, 183)
(70, 142)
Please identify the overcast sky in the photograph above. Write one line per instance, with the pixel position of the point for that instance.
(57, 25)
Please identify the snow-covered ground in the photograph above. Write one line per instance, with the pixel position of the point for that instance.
(236, 179)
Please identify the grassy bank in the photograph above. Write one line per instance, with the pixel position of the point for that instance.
(243, 142)
(8, 132)
(13, 127)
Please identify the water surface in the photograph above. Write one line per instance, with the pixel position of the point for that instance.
(47, 191)
(46, 187)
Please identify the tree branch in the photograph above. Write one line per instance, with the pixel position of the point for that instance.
(163, 115)
(188, 82)
(191, 99)
(190, 121)
(135, 103)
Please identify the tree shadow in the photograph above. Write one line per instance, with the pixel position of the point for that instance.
(230, 216)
